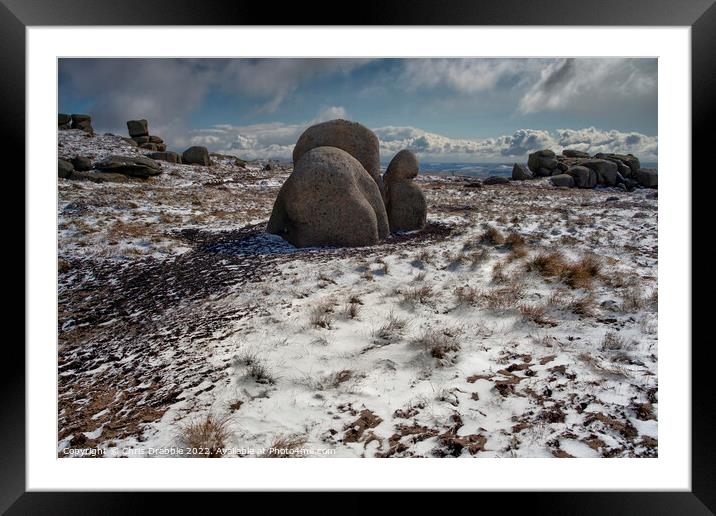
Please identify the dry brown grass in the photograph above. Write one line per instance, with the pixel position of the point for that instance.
(466, 295)
(503, 298)
(583, 305)
(633, 300)
(492, 236)
(418, 294)
(536, 314)
(439, 343)
(576, 274)
(207, 436)
(394, 327)
(285, 447)
(321, 315)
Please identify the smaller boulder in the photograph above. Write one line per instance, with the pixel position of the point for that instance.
(64, 168)
(81, 163)
(140, 139)
(521, 172)
(83, 123)
(64, 121)
(583, 176)
(496, 180)
(196, 155)
(404, 165)
(131, 142)
(169, 157)
(606, 170)
(562, 180)
(155, 139)
(149, 146)
(647, 177)
(138, 128)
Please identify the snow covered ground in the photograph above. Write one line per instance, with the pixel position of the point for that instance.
(521, 323)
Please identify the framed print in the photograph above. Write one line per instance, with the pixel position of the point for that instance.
(406, 253)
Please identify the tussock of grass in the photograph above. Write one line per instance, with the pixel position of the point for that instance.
(207, 435)
(418, 294)
(439, 343)
(578, 274)
(467, 295)
(321, 316)
(492, 236)
(503, 298)
(393, 327)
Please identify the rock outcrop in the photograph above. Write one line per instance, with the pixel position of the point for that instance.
(134, 166)
(406, 205)
(139, 133)
(330, 199)
(608, 169)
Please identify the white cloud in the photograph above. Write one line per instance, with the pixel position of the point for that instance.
(467, 76)
(589, 83)
(276, 140)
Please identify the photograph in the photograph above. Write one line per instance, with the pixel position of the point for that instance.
(427, 257)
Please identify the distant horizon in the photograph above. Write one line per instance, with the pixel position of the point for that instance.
(470, 110)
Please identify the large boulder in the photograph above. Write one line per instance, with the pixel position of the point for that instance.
(574, 153)
(521, 172)
(196, 155)
(496, 180)
(64, 168)
(583, 177)
(82, 163)
(135, 166)
(647, 177)
(82, 122)
(606, 170)
(329, 200)
(138, 128)
(352, 137)
(168, 156)
(542, 162)
(564, 180)
(64, 121)
(406, 205)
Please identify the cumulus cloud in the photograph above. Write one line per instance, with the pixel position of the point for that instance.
(435, 147)
(263, 141)
(589, 83)
(260, 141)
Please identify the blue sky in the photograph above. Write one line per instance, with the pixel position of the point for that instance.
(472, 110)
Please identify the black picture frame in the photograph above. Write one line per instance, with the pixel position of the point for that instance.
(700, 15)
